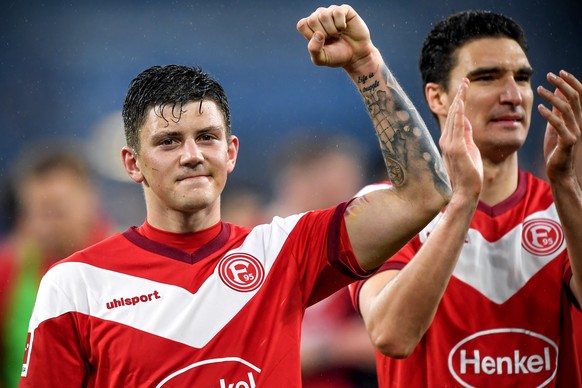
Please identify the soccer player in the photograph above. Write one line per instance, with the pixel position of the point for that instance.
(188, 300)
(58, 211)
(482, 295)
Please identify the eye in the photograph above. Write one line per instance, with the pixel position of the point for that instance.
(167, 141)
(483, 78)
(523, 78)
(206, 137)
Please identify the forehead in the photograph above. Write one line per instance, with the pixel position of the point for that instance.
(191, 115)
(502, 53)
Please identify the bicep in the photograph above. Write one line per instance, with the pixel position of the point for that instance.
(380, 223)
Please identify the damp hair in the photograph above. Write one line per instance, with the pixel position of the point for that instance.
(438, 56)
(169, 86)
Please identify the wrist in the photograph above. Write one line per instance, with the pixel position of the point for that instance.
(365, 65)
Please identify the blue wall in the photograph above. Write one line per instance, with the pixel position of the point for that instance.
(66, 65)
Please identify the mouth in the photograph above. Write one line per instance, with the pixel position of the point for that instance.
(511, 120)
(190, 178)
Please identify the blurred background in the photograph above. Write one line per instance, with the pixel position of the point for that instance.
(65, 68)
(306, 139)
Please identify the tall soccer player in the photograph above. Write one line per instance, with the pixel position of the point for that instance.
(482, 297)
(187, 300)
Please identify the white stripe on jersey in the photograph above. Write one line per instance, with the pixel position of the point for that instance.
(209, 309)
(508, 266)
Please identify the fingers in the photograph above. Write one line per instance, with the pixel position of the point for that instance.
(459, 114)
(566, 113)
(322, 24)
(455, 124)
(574, 95)
(329, 21)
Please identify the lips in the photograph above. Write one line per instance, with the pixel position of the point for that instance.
(505, 118)
(190, 177)
(508, 116)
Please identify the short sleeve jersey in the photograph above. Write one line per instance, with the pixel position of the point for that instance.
(130, 312)
(504, 319)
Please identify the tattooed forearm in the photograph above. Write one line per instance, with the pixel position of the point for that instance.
(404, 138)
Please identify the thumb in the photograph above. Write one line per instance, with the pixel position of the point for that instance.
(315, 48)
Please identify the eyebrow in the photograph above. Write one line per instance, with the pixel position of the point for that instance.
(163, 134)
(497, 70)
(209, 129)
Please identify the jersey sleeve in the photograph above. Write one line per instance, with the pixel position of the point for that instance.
(318, 245)
(53, 356)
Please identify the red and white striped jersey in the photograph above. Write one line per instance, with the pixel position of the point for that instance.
(131, 312)
(505, 317)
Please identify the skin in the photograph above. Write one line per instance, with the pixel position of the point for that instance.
(59, 212)
(380, 223)
(398, 306)
(561, 143)
(183, 163)
(499, 104)
(183, 166)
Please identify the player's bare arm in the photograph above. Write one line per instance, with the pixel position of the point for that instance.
(399, 306)
(561, 143)
(381, 222)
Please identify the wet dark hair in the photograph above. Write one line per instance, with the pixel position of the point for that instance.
(438, 55)
(171, 85)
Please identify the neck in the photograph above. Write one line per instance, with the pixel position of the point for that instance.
(499, 180)
(182, 221)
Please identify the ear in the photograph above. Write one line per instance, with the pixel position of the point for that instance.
(437, 99)
(131, 164)
(232, 153)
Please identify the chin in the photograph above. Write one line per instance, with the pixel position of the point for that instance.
(195, 204)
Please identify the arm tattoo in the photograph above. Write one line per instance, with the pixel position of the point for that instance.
(402, 133)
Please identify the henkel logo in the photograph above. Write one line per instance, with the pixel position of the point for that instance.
(226, 372)
(504, 357)
(541, 237)
(241, 272)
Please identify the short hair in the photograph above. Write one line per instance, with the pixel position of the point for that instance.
(40, 161)
(171, 85)
(438, 55)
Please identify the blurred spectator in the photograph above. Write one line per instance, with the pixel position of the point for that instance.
(320, 171)
(125, 203)
(56, 212)
(242, 204)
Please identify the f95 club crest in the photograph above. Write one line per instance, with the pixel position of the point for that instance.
(241, 272)
(542, 237)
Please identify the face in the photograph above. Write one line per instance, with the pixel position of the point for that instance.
(59, 212)
(183, 164)
(500, 97)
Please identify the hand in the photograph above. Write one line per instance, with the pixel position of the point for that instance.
(564, 124)
(338, 37)
(460, 154)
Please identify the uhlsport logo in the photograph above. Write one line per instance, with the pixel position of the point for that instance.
(542, 237)
(241, 272)
(504, 357)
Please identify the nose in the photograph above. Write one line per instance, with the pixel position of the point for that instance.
(191, 153)
(511, 93)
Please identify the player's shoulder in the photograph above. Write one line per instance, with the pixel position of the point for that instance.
(373, 187)
(538, 190)
(107, 246)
